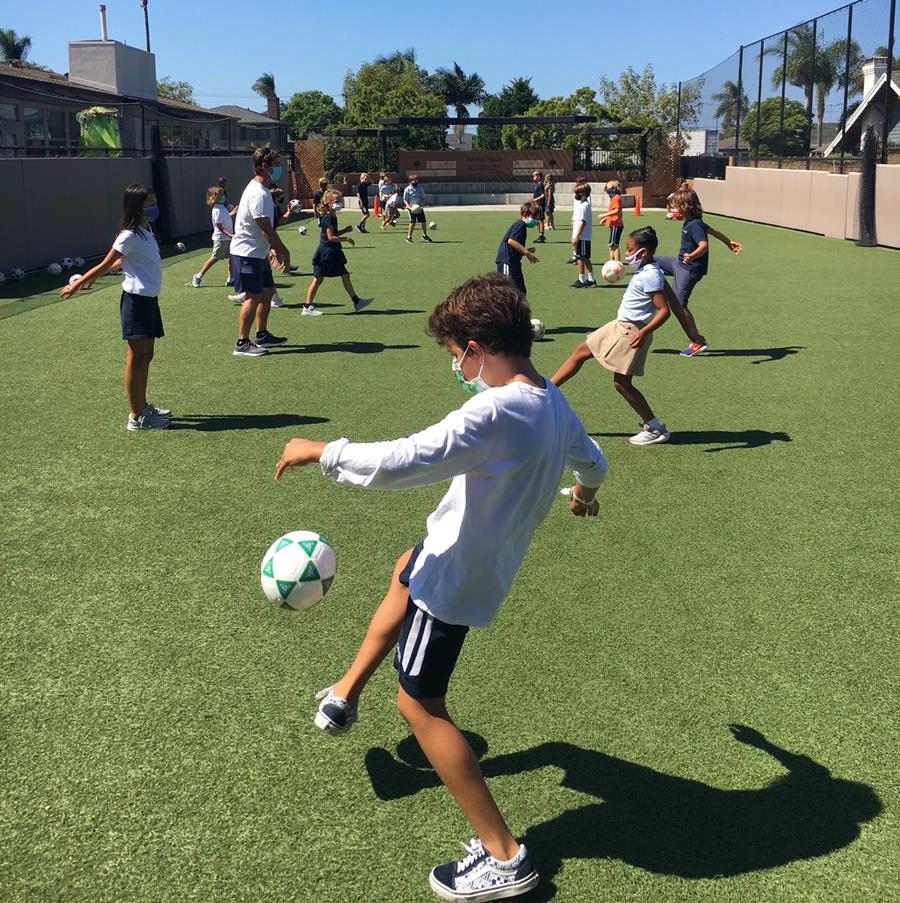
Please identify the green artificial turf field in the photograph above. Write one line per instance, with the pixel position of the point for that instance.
(156, 738)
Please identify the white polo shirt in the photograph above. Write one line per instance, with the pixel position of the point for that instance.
(141, 262)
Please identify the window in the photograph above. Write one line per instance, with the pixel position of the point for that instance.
(56, 126)
(9, 112)
(34, 126)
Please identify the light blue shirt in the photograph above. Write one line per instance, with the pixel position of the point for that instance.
(636, 305)
(414, 195)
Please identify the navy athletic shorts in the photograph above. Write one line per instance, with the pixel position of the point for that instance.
(515, 274)
(251, 274)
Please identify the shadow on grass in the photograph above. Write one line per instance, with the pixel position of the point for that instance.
(214, 423)
(345, 347)
(662, 823)
(729, 440)
(767, 354)
(567, 330)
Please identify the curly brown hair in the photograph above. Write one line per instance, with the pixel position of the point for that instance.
(486, 309)
(685, 200)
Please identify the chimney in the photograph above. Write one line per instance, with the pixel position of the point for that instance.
(273, 106)
(103, 34)
(872, 70)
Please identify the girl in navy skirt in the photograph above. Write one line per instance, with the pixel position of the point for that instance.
(329, 259)
(136, 251)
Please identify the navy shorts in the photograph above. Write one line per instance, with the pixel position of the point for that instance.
(515, 274)
(140, 317)
(364, 206)
(252, 275)
(583, 250)
(683, 278)
(615, 236)
(427, 649)
(416, 217)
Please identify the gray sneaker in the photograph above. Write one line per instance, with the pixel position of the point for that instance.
(147, 420)
(248, 349)
(359, 304)
(158, 412)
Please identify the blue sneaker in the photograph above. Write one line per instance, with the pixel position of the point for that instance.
(480, 877)
(335, 716)
(694, 349)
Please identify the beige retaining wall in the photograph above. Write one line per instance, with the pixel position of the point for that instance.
(820, 202)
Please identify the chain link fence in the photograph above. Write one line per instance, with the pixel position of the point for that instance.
(799, 99)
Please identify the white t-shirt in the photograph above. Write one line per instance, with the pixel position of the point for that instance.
(221, 217)
(504, 450)
(581, 212)
(256, 203)
(636, 305)
(393, 200)
(141, 262)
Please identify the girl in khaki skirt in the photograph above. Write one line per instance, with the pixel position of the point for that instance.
(622, 345)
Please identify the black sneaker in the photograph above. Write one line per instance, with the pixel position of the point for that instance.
(267, 340)
(361, 230)
(480, 877)
(409, 241)
(246, 348)
(572, 260)
(426, 238)
(577, 284)
(540, 240)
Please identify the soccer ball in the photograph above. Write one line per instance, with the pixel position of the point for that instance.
(74, 279)
(670, 216)
(432, 225)
(79, 262)
(68, 263)
(54, 269)
(17, 275)
(294, 203)
(612, 271)
(538, 330)
(180, 245)
(415, 208)
(297, 570)
(302, 230)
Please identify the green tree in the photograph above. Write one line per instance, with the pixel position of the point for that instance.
(512, 100)
(771, 142)
(727, 110)
(180, 91)
(637, 100)
(311, 112)
(582, 103)
(13, 46)
(458, 90)
(264, 85)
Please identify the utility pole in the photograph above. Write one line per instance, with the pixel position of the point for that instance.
(146, 22)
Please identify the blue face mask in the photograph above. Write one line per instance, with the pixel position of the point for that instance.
(276, 172)
(151, 213)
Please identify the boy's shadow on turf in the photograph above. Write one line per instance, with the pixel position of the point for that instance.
(347, 347)
(736, 439)
(663, 823)
(214, 423)
(767, 354)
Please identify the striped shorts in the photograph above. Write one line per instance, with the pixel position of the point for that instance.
(427, 649)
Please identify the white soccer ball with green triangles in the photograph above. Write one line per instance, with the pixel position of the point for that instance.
(297, 570)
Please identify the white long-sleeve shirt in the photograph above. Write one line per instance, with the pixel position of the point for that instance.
(505, 451)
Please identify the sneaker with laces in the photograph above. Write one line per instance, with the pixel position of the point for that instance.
(277, 300)
(229, 283)
(694, 349)
(196, 280)
(361, 230)
(335, 716)
(267, 340)
(480, 877)
(239, 298)
(310, 310)
(159, 412)
(360, 303)
(540, 240)
(246, 348)
(650, 434)
(147, 420)
(427, 238)
(409, 241)
(577, 284)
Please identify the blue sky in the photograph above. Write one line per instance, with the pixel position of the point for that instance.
(209, 44)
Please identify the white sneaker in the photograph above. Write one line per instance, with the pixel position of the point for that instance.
(650, 434)
(480, 877)
(335, 715)
(196, 280)
(310, 311)
(147, 420)
(239, 298)
(277, 300)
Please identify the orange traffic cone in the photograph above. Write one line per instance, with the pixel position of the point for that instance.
(637, 205)
(377, 211)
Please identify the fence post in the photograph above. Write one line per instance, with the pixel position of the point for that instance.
(643, 151)
(678, 112)
(846, 85)
(889, 92)
(812, 88)
(783, 90)
(737, 118)
(758, 105)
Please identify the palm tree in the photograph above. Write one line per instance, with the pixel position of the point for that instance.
(729, 99)
(13, 47)
(264, 85)
(458, 89)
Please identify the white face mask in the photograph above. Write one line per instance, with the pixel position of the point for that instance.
(337, 205)
(472, 386)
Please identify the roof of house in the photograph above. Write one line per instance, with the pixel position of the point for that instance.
(854, 120)
(248, 117)
(49, 85)
(728, 144)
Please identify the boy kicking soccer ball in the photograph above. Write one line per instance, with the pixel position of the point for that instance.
(622, 345)
(505, 451)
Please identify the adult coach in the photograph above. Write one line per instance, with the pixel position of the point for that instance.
(413, 201)
(254, 238)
